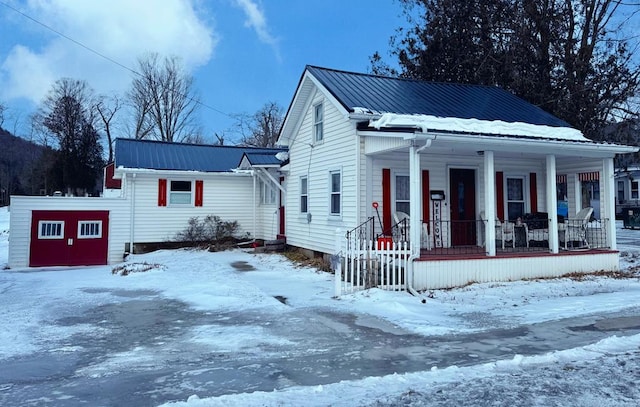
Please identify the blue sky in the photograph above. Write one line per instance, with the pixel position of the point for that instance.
(242, 53)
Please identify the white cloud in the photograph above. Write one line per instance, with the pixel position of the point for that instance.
(122, 30)
(257, 20)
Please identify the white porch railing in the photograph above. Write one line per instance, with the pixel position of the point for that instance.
(367, 263)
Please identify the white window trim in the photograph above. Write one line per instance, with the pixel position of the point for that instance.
(331, 193)
(88, 222)
(51, 222)
(525, 193)
(268, 194)
(192, 193)
(306, 178)
(394, 176)
(318, 123)
(636, 190)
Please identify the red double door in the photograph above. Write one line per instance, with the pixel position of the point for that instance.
(69, 238)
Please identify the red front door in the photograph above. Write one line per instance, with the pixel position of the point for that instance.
(462, 187)
(69, 238)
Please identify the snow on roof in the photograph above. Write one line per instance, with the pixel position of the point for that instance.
(430, 123)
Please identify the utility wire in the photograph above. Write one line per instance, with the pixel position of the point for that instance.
(101, 55)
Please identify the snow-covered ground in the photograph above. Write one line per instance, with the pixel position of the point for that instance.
(602, 373)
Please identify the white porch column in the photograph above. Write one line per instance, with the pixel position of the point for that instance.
(609, 211)
(552, 203)
(415, 197)
(489, 204)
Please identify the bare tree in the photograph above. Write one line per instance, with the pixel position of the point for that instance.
(163, 100)
(3, 108)
(107, 107)
(263, 127)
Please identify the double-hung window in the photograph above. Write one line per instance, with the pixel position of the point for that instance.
(318, 117)
(634, 189)
(336, 192)
(180, 193)
(304, 194)
(267, 193)
(515, 198)
(402, 194)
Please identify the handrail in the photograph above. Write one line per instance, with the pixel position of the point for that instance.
(361, 229)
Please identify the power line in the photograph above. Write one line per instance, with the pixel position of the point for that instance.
(101, 55)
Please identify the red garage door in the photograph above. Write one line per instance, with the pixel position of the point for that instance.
(69, 238)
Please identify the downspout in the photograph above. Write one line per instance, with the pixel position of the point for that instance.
(253, 177)
(133, 213)
(416, 227)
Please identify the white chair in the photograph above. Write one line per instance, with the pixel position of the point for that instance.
(575, 229)
(402, 221)
(504, 231)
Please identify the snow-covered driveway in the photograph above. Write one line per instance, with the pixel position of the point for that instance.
(236, 326)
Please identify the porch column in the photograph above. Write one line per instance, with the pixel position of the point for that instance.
(489, 204)
(415, 204)
(609, 211)
(552, 203)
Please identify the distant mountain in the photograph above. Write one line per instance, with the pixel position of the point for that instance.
(20, 161)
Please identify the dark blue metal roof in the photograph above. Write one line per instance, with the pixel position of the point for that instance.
(262, 158)
(380, 94)
(157, 155)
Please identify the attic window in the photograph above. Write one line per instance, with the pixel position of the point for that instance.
(318, 116)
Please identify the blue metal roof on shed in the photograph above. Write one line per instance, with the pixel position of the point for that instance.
(157, 155)
(380, 94)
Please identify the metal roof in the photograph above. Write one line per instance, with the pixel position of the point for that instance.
(262, 158)
(157, 155)
(379, 94)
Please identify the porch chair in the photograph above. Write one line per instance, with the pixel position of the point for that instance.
(575, 229)
(504, 231)
(402, 220)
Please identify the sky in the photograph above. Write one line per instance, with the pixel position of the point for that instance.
(51, 315)
(241, 53)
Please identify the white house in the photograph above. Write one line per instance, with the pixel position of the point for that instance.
(154, 188)
(366, 151)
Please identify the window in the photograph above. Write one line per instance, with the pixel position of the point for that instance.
(304, 195)
(402, 194)
(621, 191)
(267, 193)
(48, 229)
(515, 198)
(91, 229)
(180, 193)
(634, 189)
(318, 115)
(335, 192)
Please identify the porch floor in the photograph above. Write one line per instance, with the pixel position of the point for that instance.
(478, 252)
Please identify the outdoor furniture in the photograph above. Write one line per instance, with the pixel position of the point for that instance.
(575, 229)
(537, 228)
(402, 225)
(505, 231)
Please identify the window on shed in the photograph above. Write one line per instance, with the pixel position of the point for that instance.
(48, 229)
(91, 229)
(180, 193)
(318, 117)
(336, 191)
(304, 195)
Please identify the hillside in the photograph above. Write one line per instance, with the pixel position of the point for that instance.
(19, 162)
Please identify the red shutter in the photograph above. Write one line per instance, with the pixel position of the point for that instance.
(386, 200)
(162, 192)
(500, 195)
(425, 197)
(199, 192)
(533, 192)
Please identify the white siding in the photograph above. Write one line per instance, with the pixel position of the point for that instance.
(429, 275)
(20, 223)
(337, 151)
(228, 196)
